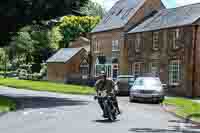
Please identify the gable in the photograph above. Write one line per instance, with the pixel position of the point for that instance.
(169, 18)
(148, 9)
(84, 63)
(119, 15)
(80, 42)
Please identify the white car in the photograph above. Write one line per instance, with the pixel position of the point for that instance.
(147, 88)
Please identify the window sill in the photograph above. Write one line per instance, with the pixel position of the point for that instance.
(155, 49)
(175, 84)
(97, 52)
(116, 50)
(176, 48)
(137, 51)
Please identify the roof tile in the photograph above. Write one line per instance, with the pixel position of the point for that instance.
(168, 18)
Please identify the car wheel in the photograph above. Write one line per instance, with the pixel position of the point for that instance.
(161, 100)
(131, 100)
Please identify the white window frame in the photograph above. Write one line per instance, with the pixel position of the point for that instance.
(115, 45)
(176, 36)
(155, 40)
(138, 42)
(174, 71)
(177, 33)
(97, 46)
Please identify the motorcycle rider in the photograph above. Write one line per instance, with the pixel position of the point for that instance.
(105, 84)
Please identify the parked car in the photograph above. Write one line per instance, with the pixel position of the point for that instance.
(147, 88)
(124, 83)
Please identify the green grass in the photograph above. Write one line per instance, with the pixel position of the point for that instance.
(6, 105)
(185, 107)
(46, 86)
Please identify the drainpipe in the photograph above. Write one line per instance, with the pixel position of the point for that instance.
(194, 61)
(90, 56)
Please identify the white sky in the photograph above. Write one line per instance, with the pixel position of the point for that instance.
(169, 3)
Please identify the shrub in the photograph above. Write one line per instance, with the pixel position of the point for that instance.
(43, 71)
(23, 74)
(26, 67)
(36, 76)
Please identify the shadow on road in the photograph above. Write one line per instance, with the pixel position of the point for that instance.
(185, 123)
(44, 102)
(188, 128)
(105, 121)
(151, 130)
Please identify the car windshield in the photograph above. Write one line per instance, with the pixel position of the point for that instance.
(139, 82)
(155, 82)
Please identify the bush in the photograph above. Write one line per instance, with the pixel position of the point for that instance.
(26, 67)
(43, 71)
(23, 74)
(36, 77)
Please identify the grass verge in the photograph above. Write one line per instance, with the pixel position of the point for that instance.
(46, 86)
(6, 105)
(185, 107)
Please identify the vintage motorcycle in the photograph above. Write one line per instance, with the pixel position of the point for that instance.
(108, 105)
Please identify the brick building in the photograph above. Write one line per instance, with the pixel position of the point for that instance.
(142, 36)
(68, 65)
(168, 44)
(108, 39)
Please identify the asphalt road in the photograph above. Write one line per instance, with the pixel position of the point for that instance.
(44, 112)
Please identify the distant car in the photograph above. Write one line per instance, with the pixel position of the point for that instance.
(124, 83)
(147, 88)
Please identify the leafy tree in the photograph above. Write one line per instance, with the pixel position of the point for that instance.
(31, 45)
(4, 59)
(16, 14)
(93, 9)
(72, 27)
(23, 46)
(2, 56)
(55, 37)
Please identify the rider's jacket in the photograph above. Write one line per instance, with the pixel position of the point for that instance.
(108, 85)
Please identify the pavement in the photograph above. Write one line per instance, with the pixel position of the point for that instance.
(45, 112)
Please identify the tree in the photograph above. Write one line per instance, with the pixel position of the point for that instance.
(93, 9)
(31, 45)
(23, 45)
(55, 37)
(4, 60)
(72, 27)
(16, 14)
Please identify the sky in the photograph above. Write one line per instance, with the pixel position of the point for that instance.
(169, 3)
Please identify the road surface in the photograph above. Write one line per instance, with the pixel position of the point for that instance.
(44, 112)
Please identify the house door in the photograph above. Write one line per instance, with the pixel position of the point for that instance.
(154, 68)
(108, 70)
(115, 71)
